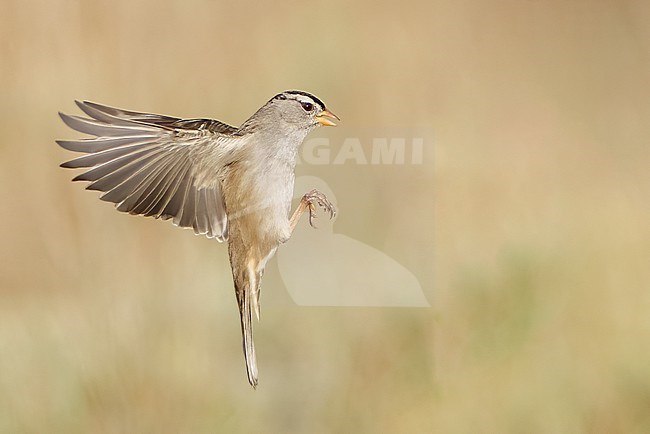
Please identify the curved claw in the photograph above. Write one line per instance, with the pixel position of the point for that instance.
(316, 196)
(312, 215)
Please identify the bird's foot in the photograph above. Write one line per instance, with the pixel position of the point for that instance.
(314, 198)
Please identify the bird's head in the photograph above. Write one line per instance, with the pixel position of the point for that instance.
(299, 109)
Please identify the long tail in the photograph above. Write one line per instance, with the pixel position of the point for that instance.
(247, 301)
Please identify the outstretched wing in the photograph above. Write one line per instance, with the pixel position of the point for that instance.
(156, 166)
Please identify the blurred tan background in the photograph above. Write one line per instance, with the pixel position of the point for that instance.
(527, 224)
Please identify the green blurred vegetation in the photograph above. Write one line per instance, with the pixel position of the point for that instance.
(527, 225)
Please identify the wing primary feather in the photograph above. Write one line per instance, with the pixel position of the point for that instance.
(120, 173)
(91, 146)
(127, 188)
(131, 115)
(147, 164)
(150, 189)
(98, 158)
(169, 190)
(103, 116)
(115, 165)
(163, 186)
(102, 129)
(139, 194)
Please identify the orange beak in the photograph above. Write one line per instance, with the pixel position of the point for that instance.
(326, 118)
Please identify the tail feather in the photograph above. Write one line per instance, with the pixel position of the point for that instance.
(245, 300)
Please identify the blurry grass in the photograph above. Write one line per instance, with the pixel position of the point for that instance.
(527, 225)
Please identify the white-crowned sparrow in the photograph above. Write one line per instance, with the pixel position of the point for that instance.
(228, 183)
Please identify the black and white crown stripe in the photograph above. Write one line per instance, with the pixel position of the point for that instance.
(304, 96)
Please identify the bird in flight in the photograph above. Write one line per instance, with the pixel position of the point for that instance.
(233, 184)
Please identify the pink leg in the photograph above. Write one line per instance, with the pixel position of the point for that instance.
(308, 202)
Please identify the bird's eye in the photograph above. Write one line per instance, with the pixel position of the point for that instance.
(307, 106)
